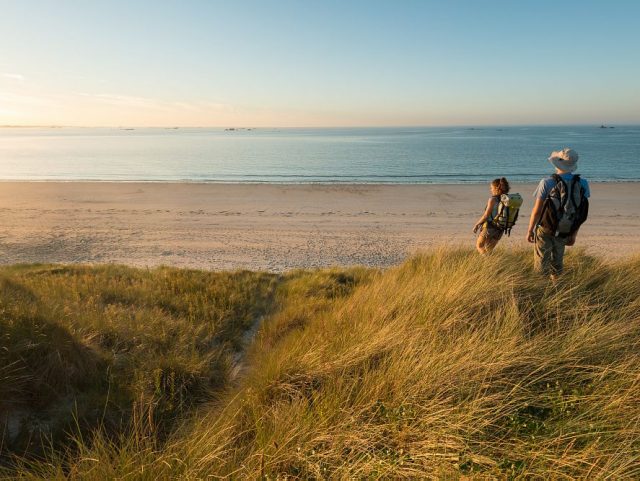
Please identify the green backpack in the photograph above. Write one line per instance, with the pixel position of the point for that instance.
(507, 214)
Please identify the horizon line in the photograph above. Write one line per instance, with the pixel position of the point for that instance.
(228, 127)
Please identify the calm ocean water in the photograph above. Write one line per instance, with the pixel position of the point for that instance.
(362, 155)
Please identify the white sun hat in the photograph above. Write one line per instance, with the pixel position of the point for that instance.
(565, 160)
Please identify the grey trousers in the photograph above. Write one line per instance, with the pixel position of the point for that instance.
(548, 253)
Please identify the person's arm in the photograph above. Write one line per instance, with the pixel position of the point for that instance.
(487, 213)
(535, 214)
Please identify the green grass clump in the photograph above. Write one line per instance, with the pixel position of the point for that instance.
(451, 365)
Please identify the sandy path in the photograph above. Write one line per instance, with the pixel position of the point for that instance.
(274, 227)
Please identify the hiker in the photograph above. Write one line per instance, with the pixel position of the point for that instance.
(560, 208)
(499, 216)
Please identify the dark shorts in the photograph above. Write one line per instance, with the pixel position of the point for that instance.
(491, 233)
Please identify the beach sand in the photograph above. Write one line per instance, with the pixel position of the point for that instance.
(270, 226)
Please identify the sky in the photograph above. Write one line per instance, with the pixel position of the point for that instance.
(319, 63)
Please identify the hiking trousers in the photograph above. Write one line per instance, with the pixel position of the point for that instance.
(548, 252)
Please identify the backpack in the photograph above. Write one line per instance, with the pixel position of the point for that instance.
(565, 208)
(507, 213)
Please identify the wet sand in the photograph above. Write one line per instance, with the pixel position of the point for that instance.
(270, 226)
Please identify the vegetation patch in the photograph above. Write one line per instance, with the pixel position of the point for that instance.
(83, 347)
(450, 365)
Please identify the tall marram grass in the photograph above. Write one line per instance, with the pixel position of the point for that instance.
(82, 347)
(448, 366)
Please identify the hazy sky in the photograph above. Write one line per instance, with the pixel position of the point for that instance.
(318, 63)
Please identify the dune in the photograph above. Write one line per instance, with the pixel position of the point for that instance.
(448, 366)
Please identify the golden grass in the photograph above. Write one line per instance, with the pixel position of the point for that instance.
(448, 366)
(82, 346)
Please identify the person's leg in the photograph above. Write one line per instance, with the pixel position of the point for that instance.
(481, 242)
(488, 239)
(490, 245)
(484, 241)
(542, 248)
(557, 257)
(493, 237)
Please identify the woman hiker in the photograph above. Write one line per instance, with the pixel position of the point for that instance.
(490, 234)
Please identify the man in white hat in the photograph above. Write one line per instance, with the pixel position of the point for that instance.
(560, 208)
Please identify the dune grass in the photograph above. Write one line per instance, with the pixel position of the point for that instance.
(451, 365)
(84, 346)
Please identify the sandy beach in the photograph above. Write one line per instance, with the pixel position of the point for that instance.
(274, 227)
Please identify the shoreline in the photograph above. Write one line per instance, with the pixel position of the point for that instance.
(274, 227)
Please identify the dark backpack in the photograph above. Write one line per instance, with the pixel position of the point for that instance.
(565, 208)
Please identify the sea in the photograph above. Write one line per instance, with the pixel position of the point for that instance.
(410, 155)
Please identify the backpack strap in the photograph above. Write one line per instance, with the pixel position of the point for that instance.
(562, 202)
(506, 228)
(515, 218)
(496, 207)
(545, 204)
(558, 180)
(576, 182)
